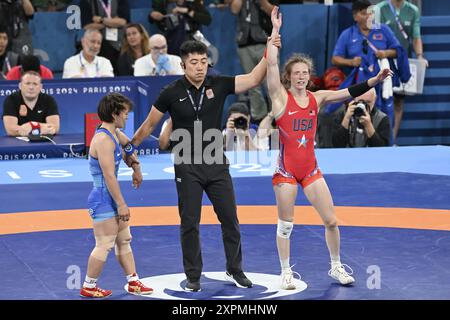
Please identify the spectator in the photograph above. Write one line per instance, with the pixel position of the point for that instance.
(361, 124)
(87, 64)
(29, 63)
(15, 15)
(8, 59)
(363, 48)
(253, 27)
(110, 17)
(29, 109)
(178, 20)
(239, 134)
(135, 45)
(158, 62)
(404, 20)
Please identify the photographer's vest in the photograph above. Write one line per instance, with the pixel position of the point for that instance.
(98, 9)
(249, 30)
(358, 138)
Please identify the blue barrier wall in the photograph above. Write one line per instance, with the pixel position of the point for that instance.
(79, 96)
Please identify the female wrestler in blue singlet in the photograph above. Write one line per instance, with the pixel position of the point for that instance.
(107, 206)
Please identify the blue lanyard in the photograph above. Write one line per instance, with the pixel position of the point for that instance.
(198, 107)
(397, 19)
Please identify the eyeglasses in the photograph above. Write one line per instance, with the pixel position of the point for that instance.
(160, 48)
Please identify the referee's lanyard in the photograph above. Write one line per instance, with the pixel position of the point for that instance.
(196, 107)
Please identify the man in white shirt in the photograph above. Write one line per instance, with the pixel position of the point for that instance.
(87, 64)
(158, 62)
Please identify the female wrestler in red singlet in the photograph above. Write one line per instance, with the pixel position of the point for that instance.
(295, 110)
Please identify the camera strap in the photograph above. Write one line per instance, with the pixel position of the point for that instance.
(197, 107)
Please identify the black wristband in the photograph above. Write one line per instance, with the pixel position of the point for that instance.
(359, 89)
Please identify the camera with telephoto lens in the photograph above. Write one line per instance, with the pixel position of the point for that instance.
(241, 123)
(361, 106)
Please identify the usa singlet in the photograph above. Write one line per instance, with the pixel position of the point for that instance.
(297, 161)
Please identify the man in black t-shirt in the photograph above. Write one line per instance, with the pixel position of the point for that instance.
(195, 103)
(29, 111)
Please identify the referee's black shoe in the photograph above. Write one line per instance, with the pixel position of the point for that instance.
(239, 279)
(192, 285)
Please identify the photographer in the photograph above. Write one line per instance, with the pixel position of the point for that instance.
(15, 15)
(178, 20)
(238, 134)
(361, 124)
(110, 18)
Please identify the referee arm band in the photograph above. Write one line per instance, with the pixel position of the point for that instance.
(359, 89)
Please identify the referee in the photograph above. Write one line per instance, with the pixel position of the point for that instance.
(197, 100)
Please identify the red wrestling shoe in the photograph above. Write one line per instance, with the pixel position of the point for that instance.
(138, 288)
(94, 292)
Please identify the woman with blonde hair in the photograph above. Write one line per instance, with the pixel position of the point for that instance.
(295, 109)
(135, 45)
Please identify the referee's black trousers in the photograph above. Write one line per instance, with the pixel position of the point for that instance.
(215, 180)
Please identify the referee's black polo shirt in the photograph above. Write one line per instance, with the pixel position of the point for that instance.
(175, 99)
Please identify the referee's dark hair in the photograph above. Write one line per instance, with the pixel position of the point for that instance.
(113, 103)
(192, 46)
(359, 5)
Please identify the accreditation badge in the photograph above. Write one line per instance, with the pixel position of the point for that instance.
(23, 110)
(112, 34)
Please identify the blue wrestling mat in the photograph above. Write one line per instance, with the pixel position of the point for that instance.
(408, 186)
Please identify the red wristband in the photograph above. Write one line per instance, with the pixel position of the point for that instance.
(35, 128)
